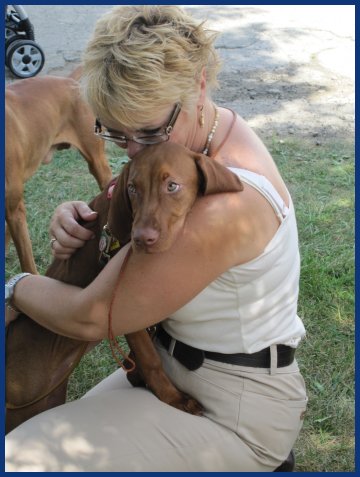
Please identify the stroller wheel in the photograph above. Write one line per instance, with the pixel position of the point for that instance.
(9, 41)
(24, 58)
(10, 34)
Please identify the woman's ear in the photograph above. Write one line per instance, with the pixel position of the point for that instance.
(215, 178)
(120, 212)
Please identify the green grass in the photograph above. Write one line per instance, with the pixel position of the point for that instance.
(321, 181)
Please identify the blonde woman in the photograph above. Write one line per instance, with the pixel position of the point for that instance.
(148, 75)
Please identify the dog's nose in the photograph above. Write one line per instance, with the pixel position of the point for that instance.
(145, 236)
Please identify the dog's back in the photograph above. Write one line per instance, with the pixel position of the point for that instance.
(34, 121)
(44, 114)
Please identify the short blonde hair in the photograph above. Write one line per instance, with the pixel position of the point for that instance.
(143, 58)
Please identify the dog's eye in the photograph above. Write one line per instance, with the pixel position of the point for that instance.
(172, 187)
(131, 189)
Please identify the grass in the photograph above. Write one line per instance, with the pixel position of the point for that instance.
(321, 181)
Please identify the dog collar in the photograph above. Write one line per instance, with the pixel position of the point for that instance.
(108, 245)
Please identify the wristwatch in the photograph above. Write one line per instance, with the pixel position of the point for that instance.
(10, 288)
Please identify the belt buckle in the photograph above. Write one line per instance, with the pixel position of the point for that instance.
(171, 346)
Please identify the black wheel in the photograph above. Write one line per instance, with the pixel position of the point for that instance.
(9, 40)
(10, 33)
(24, 58)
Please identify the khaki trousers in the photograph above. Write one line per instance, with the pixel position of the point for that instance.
(252, 419)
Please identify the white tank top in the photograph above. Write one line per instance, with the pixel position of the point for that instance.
(253, 305)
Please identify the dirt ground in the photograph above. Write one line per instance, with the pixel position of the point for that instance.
(288, 70)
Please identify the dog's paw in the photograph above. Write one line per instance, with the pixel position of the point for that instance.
(135, 379)
(189, 405)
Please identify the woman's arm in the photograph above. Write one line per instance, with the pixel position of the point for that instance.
(67, 309)
(221, 231)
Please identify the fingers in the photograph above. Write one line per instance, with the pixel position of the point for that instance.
(84, 211)
(61, 252)
(64, 253)
(67, 234)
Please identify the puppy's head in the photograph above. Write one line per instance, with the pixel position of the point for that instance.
(157, 189)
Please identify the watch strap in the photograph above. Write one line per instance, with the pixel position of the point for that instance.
(11, 288)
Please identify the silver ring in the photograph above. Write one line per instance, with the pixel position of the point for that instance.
(52, 241)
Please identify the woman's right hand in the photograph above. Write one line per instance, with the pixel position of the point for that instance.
(67, 234)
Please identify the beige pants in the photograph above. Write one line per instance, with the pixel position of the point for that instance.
(251, 422)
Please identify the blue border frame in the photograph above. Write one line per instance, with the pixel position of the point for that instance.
(2, 197)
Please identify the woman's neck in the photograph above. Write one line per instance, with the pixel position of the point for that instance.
(198, 135)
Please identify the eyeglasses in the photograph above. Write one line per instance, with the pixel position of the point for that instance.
(162, 135)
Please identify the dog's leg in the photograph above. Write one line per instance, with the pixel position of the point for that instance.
(94, 153)
(15, 417)
(38, 365)
(16, 220)
(148, 364)
(91, 147)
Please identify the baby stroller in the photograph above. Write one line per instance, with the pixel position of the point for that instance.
(23, 56)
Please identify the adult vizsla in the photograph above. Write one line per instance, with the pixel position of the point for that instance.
(148, 207)
(43, 114)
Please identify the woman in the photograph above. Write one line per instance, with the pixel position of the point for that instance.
(236, 297)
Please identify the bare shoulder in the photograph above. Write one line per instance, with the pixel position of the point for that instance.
(235, 226)
(246, 150)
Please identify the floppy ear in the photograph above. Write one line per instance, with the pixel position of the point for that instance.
(120, 212)
(215, 178)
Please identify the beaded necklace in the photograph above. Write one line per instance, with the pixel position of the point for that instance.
(212, 132)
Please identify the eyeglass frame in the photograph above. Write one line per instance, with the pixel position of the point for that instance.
(123, 140)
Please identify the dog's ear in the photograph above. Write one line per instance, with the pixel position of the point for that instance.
(120, 212)
(215, 178)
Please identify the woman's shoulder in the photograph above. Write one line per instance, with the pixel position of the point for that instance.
(235, 223)
(245, 150)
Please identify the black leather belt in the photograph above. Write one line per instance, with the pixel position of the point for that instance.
(192, 358)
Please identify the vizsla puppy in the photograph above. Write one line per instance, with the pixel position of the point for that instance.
(43, 114)
(149, 205)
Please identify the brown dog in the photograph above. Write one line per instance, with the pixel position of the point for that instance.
(43, 114)
(149, 205)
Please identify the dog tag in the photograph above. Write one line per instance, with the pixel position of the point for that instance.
(104, 245)
(107, 245)
(105, 241)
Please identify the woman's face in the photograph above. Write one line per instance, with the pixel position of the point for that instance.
(166, 127)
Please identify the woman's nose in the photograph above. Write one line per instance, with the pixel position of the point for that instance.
(133, 148)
